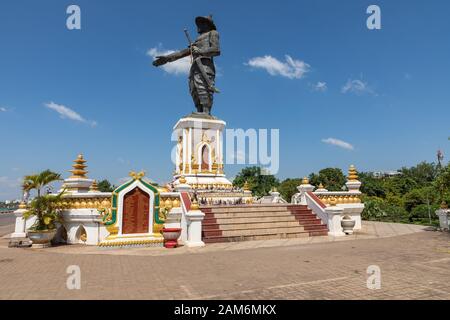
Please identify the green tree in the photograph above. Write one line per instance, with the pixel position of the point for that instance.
(424, 195)
(105, 186)
(45, 208)
(423, 174)
(259, 182)
(39, 181)
(442, 184)
(372, 186)
(288, 188)
(332, 179)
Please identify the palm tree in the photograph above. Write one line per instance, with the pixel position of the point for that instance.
(39, 181)
(45, 208)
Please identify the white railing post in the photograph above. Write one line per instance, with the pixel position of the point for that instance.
(194, 222)
(20, 227)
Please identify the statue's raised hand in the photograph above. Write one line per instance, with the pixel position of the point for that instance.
(160, 60)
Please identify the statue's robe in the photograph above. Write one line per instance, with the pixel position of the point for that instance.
(201, 93)
(208, 45)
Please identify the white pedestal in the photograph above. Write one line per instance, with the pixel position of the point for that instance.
(194, 223)
(444, 218)
(334, 221)
(20, 228)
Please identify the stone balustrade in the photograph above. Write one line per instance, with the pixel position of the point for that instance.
(339, 197)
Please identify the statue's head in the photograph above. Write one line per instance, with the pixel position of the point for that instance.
(205, 24)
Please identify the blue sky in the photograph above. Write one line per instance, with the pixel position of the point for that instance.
(384, 92)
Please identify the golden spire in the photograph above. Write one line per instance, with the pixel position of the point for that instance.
(305, 180)
(182, 180)
(352, 174)
(246, 186)
(94, 186)
(78, 171)
(321, 186)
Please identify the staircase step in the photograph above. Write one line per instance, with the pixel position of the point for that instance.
(258, 222)
(221, 239)
(232, 220)
(261, 225)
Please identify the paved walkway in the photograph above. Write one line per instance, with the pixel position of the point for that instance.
(414, 264)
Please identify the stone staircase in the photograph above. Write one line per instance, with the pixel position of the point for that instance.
(260, 222)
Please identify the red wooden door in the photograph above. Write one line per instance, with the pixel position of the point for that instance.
(135, 216)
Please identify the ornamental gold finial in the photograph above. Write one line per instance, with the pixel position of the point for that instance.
(305, 181)
(94, 186)
(22, 205)
(79, 166)
(444, 205)
(352, 174)
(137, 176)
(246, 186)
(321, 186)
(182, 180)
(194, 205)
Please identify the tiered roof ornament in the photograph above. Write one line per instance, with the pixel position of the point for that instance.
(94, 186)
(352, 174)
(353, 184)
(78, 182)
(79, 166)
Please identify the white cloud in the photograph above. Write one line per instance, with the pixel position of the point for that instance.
(357, 87)
(291, 68)
(67, 113)
(181, 66)
(2, 109)
(338, 143)
(321, 86)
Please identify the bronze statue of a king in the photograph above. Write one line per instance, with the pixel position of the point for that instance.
(203, 72)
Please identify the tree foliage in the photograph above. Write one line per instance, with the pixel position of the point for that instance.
(332, 179)
(260, 183)
(105, 186)
(44, 207)
(288, 188)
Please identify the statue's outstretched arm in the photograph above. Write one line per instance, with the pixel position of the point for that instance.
(160, 60)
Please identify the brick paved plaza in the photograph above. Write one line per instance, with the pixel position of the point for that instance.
(414, 262)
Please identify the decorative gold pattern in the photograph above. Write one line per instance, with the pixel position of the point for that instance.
(130, 242)
(332, 200)
(86, 203)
